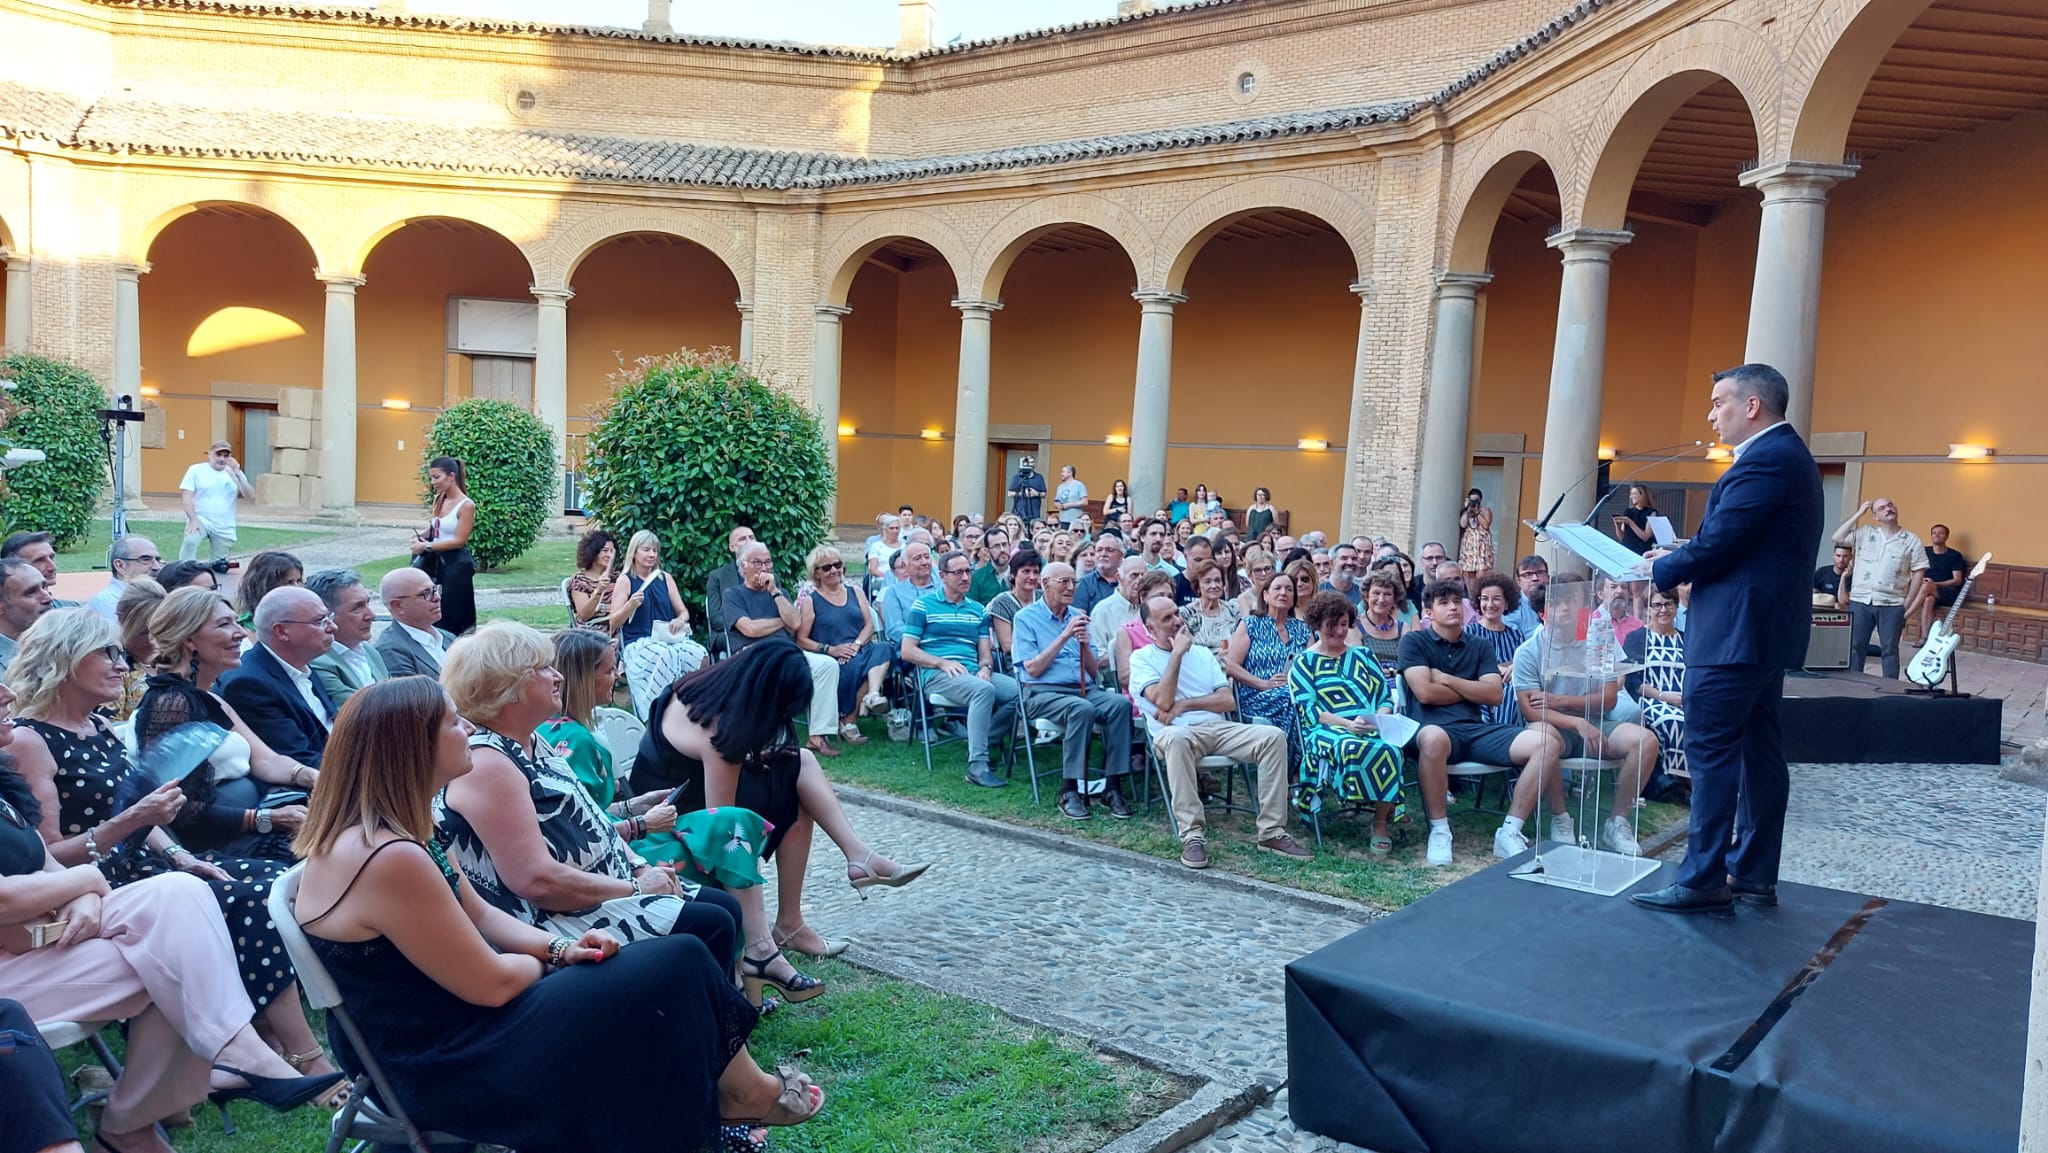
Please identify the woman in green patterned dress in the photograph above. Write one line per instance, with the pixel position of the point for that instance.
(1338, 690)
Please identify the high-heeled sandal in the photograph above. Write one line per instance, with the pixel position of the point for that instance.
(799, 1101)
(281, 1094)
(797, 989)
(334, 1100)
(787, 942)
(903, 875)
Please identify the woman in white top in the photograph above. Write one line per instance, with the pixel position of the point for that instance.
(442, 551)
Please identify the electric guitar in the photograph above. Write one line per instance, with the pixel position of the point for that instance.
(1929, 666)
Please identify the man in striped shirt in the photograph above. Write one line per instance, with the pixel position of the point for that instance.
(947, 638)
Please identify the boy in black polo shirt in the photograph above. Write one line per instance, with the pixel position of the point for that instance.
(1451, 682)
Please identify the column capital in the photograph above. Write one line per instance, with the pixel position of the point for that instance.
(1796, 180)
(131, 271)
(338, 281)
(551, 297)
(1153, 300)
(984, 307)
(1365, 290)
(1579, 244)
(11, 258)
(1461, 285)
(830, 313)
(745, 306)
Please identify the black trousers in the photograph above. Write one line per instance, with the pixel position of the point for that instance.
(1740, 785)
(34, 1111)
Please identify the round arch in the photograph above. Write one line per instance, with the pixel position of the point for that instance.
(488, 215)
(1184, 237)
(586, 236)
(1015, 232)
(1838, 53)
(1646, 94)
(284, 208)
(6, 236)
(846, 252)
(1498, 163)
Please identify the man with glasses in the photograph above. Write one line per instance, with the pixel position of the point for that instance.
(900, 595)
(993, 575)
(209, 492)
(1530, 578)
(947, 638)
(131, 557)
(1101, 581)
(758, 610)
(274, 690)
(726, 576)
(412, 646)
(1058, 664)
(353, 663)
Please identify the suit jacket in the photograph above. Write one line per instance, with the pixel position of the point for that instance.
(263, 692)
(338, 677)
(403, 656)
(1751, 563)
(721, 578)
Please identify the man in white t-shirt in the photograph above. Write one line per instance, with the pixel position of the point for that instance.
(209, 490)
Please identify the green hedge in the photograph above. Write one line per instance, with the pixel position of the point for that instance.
(691, 445)
(54, 406)
(508, 461)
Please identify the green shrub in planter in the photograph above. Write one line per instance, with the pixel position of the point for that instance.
(508, 462)
(691, 445)
(54, 406)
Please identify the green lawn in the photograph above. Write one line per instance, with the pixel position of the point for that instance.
(1342, 867)
(546, 618)
(903, 1068)
(92, 551)
(542, 566)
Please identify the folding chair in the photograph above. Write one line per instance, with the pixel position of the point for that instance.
(620, 733)
(568, 602)
(373, 1115)
(1155, 769)
(64, 1034)
(1036, 731)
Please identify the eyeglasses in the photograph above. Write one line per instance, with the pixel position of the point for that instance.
(956, 570)
(114, 653)
(321, 622)
(432, 594)
(145, 558)
(1056, 580)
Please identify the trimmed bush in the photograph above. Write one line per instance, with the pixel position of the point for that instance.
(691, 445)
(54, 406)
(508, 461)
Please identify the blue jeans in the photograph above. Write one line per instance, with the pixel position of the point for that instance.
(991, 702)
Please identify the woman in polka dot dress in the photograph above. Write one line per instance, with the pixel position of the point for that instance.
(70, 663)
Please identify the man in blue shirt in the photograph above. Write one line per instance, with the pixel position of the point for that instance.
(1057, 665)
(1027, 491)
(1100, 582)
(898, 596)
(947, 637)
(1530, 577)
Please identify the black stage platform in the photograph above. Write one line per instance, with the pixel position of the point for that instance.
(1499, 1016)
(1857, 718)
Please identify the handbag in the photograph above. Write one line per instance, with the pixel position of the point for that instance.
(428, 562)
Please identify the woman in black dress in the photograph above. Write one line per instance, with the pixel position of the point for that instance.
(643, 1048)
(1632, 524)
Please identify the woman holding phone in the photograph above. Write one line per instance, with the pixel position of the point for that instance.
(653, 624)
(441, 550)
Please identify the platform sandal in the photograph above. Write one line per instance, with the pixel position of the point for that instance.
(796, 989)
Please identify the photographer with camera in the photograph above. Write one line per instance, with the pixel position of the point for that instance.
(1475, 538)
(209, 490)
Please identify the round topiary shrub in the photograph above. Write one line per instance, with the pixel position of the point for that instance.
(508, 461)
(54, 406)
(691, 445)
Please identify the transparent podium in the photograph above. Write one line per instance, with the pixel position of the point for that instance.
(1582, 670)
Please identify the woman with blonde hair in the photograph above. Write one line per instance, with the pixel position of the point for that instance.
(69, 666)
(653, 624)
(1259, 566)
(446, 986)
(1306, 581)
(131, 613)
(833, 619)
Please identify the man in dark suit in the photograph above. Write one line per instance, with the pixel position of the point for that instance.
(413, 645)
(1750, 567)
(274, 690)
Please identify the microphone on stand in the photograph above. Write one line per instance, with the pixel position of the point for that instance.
(1695, 446)
(1573, 487)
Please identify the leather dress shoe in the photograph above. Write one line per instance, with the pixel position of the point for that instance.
(1118, 806)
(1073, 806)
(1752, 893)
(977, 775)
(1679, 899)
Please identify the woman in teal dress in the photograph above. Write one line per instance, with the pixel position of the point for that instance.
(1338, 691)
(589, 666)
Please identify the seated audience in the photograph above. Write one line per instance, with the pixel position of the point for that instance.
(1212, 617)
(1183, 692)
(179, 573)
(1259, 566)
(1831, 582)
(129, 558)
(946, 636)
(725, 736)
(1344, 575)
(1003, 610)
(1591, 720)
(1380, 626)
(1098, 583)
(1120, 608)
(1056, 662)
(588, 664)
(1531, 574)
(413, 646)
(39, 550)
(1617, 604)
(131, 616)
(1226, 556)
(76, 766)
(1339, 691)
(1136, 633)
(1498, 597)
(590, 586)
(274, 689)
(1197, 549)
(351, 663)
(993, 574)
(900, 595)
(446, 986)
(1452, 681)
(653, 624)
(1306, 584)
(24, 597)
(269, 569)
(1659, 647)
(251, 799)
(1261, 652)
(723, 577)
(833, 620)
(759, 610)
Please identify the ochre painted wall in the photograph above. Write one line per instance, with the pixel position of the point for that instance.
(201, 264)
(634, 300)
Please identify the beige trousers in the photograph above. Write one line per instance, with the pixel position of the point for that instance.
(1183, 746)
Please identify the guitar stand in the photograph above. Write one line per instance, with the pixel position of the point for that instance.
(1954, 688)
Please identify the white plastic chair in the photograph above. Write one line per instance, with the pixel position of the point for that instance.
(620, 733)
(64, 1034)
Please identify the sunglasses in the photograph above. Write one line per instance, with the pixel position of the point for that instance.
(833, 566)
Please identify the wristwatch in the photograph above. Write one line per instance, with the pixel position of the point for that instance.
(263, 820)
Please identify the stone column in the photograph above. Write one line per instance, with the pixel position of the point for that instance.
(825, 374)
(745, 352)
(551, 366)
(1571, 430)
(128, 372)
(1784, 300)
(338, 401)
(1349, 519)
(970, 423)
(14, 336)
(1446, 422)
(1153, 393)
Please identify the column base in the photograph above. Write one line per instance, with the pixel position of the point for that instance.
(345, 516)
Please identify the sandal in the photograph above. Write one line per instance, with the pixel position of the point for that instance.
(875, 704)
(334, 1100)
(903, 875)
(799, 1101)
(1382, 845)
(742, 1139)
(850, 733)
(795, 989)
(786, 941)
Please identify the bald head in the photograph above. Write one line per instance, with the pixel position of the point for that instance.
(1127, 574)
(738, 539)
(409, 597)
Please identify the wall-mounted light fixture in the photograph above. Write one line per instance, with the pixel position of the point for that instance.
(1609, 452)
(932, 434)
(1971, 452)
(151, 390)
(848, 430)
(396, 404)
(1310, 444)
(1720, 454)
(1116, 438)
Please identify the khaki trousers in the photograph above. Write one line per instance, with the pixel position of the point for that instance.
(1183, 746)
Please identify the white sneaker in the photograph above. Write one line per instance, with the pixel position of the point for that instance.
(1620, 837)
(1509, 842)
(1439, 847)
(1563, 831)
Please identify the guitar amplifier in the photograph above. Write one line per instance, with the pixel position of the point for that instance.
(1827, 646)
